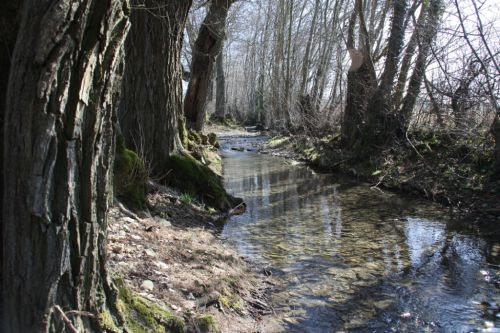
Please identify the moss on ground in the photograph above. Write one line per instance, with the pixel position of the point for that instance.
(207, 324)
(443, 167)
(130, 176)
(143, 316)
(196, 179)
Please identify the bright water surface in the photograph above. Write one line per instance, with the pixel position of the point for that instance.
(356, 259)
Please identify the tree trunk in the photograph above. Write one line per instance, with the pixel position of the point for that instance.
(150, 109)
(381, 122)
(207, 46)
(360, 83)
(495, 131)
(220, 97)
(9, 11)
(408, 56)
(59, 125)
(426, 39)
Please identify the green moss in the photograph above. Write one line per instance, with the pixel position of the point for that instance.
(207, 324)
(130, 176)
(278, 141)
(231, 301)
(196, 179)
(143, 316)
(106, 321)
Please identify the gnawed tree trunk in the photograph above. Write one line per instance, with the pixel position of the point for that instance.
(206, 48)
(360, 82)
(150, 114)
(60, 111)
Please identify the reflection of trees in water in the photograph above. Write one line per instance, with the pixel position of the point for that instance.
(356, 242)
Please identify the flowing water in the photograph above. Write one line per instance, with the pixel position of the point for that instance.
(356, 259)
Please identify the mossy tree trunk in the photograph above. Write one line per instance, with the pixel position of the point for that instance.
(150, 113)
(59, 127)
(207, 46)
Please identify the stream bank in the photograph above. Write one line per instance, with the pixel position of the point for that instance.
(172, 256)
(440, 168)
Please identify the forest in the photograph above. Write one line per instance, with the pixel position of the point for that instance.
(250, 165)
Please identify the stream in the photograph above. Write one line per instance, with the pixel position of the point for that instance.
(358, 259)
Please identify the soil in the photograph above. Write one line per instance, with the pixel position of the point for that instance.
(173, 256)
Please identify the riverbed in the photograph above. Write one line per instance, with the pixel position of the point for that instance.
(358, 259)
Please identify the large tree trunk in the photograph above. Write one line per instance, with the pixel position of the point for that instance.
(59, 127)
(381, 121)
(220, 96)
(361, 81)
(150, 114)
(206, 48)
(8, 32)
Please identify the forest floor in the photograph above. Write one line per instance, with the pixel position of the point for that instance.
(173, 256)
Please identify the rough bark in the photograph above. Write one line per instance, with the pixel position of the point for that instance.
(59, 125)
(8, 32)
(408, 56)
(207, 46)
(360, 83)
(425, 41)
(150, 109)
(381, 122)
(220, 96)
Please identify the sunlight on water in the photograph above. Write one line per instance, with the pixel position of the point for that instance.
(358, 259)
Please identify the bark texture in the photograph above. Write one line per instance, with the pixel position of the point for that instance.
(9, 11)
(220, 96)
(59, 127)
(150, 114)
(207, 46)
(381, 121)
(426, 38)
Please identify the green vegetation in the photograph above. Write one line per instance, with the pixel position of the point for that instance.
(187, 198)
(196, 179)
(143, 316)
(440, 166)
(207, 324)
(130, 176)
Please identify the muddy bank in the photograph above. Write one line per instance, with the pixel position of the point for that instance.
(173, 257)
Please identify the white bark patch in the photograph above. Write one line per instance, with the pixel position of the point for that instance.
(357, 59)
(42, 171)
(87, 80)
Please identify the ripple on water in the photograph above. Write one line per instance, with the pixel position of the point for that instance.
(356, 259)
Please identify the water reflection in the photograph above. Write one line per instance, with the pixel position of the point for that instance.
(357, 259)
